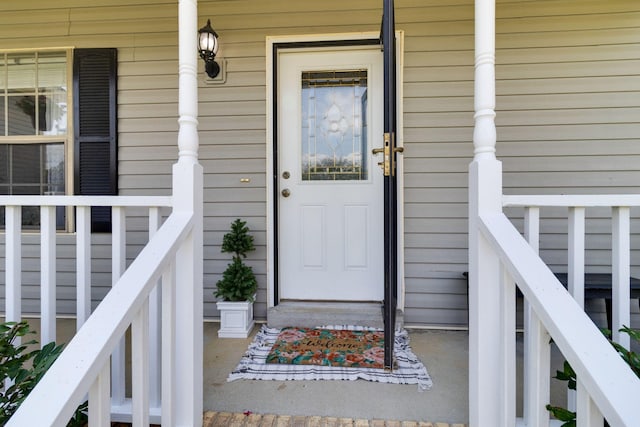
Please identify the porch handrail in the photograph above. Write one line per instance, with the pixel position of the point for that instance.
(122, 201)
(81, 367)
(603, 377)
(568, 200)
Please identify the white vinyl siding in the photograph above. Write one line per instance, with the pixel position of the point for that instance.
(568, 116)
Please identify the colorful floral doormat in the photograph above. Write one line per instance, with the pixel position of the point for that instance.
(328, 347)
(253, 365)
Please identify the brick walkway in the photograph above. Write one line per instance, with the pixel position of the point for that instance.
(227, 419)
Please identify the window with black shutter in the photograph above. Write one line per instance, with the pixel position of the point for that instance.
(95, 128)
(44, 93)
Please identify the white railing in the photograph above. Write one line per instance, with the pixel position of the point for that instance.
(499, 258)
(49, 238)
(606, 386)
(577, 206)
(83, 368)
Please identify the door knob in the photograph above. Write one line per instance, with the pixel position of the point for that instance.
(286, 192)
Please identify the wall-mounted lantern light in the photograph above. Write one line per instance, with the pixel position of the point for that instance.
(208, 47)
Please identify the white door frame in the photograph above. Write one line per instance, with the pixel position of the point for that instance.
(271, 43)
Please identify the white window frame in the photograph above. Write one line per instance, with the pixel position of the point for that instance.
(67, 139)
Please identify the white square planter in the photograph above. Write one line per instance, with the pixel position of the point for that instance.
(236, 319)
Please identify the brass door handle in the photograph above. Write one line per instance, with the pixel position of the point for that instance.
(386, 160)
(389, 150)
(286, 192)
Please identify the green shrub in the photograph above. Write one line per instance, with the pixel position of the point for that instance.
(238, 282)
(569, 375)
(23, 369)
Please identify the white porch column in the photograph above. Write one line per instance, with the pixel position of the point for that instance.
(485, 198)
(187, 196)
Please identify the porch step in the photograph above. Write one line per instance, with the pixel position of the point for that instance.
(248, 419)
(313, 314)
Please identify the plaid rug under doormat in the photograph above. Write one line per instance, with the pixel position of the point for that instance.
(253, 364)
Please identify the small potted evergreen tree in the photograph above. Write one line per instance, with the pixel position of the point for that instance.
(237, 288)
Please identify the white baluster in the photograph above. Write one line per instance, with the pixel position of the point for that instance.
(155, 319)
(532, 227)
(508, 333)
(168, 345)
(537, 372)
(575, 273)
(140, 367)
(588, 414)
(118, 265)
(537, 351)
(47, 274)
(100, 399)
(83, 262)
(13, 264)
(621, 271)
(576, 254)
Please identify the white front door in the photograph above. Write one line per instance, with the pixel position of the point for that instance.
(330, 194)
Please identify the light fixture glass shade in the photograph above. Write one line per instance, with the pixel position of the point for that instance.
(209, 43)
(207, 40)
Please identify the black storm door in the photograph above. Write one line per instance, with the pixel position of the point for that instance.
(390, 190)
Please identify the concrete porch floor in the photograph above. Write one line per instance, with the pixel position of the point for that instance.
(445, 354)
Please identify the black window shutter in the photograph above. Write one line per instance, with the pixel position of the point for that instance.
(95, 129)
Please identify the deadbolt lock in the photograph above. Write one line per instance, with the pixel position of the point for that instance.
(286, 174)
